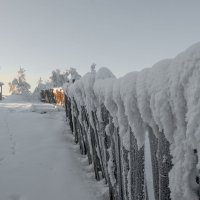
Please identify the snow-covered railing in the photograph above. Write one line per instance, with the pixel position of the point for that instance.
(109, 118)
(102, 144)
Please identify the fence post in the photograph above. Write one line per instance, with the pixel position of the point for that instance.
(153, 141)
(118, 164)
(136, 169)
(161, 164)
(85, 125)
(75, 120)
(96, 131)
(95, 157)
(165, 165)
(68, 110)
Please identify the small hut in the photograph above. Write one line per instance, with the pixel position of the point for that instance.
(1, 84)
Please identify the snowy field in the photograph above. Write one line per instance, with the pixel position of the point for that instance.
(38, 160)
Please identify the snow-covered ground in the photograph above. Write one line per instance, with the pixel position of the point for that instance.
(38, 160)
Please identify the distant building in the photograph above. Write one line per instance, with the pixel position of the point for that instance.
(1, 84)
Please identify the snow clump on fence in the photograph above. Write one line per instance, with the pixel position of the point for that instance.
(166, 98)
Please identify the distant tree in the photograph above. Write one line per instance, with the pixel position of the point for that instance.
(93, 67)
(19, 84)
(58, 79)
(41, 85)
(74, 74)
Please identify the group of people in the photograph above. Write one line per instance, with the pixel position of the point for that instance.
(59, 96)
(55, 96)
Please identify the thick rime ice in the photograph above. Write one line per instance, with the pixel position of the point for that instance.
(166, 98)
(104, 73)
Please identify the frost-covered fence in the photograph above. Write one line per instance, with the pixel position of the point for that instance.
(161, 164)
(109, 118)
(120, 164)
(121, 167)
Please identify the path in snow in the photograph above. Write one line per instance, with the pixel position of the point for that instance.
(37, 159)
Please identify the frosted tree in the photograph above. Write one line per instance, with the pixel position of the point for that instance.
(40, 86)
(58, 79)
(19, 84)
(74, 74)
(93, 67)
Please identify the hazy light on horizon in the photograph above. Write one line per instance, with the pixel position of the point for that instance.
(43, 35)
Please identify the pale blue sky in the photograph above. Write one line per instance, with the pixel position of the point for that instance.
(42, 35)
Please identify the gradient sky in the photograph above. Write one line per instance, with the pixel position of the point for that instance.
(123, 35)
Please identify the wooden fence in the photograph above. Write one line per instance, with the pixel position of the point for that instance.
(122, 168)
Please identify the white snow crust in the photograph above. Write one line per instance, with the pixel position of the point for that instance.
(38, 159)
(165, 97)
